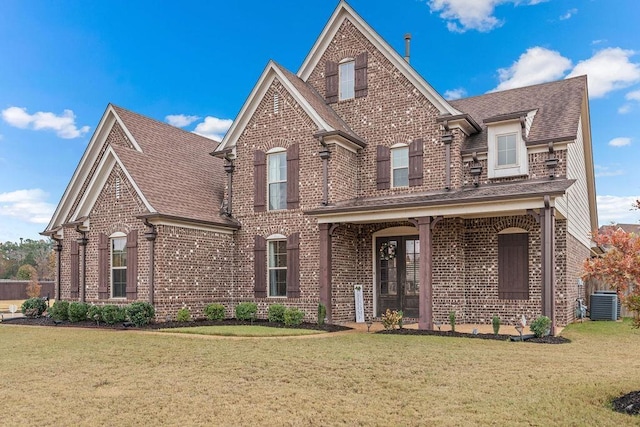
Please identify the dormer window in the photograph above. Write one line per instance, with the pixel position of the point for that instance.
(347, 79)
(507, 150)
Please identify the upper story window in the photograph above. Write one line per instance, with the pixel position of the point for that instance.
(507, 150)
(277, 180)
(277, 268)
(118, 265)
(347, 79)
(400, 166)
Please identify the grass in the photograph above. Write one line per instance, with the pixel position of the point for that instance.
(242, 331)
(72, 376)
(4, 305)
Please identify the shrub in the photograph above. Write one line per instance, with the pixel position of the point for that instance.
(60, 310)
(246, 311)
(391, 319)
(95, 313)
(495, 322)
(140, 313)
(34, 288)
(26, 272)
(322, 313)
(293, 316)
(632, 302)
(452, 320)
(34, 307)
(540, 326)
(78, 311)
(184, 315)
(276, 313)
(400, 317)
(112, 314)
(214, 311)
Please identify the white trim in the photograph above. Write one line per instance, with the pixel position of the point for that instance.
(189, 225)
(494, 131)
(113, 237)
(269, 268)
(276, 150)
(276, 236)
(397, 147)
(117, 234)
(344, 11)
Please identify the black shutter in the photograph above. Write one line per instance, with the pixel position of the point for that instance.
(132, 265)
(103, 266)
(415, 163)
(293, 171)
(259, 267)
(331, 81)
(74, 280)
(383, 160)
(513, 266)
(259, 181)
(293, 265)
(361, 75)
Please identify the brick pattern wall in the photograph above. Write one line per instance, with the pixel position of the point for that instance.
(576, 254)
(343, 174)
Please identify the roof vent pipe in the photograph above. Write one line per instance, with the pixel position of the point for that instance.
(407, 47)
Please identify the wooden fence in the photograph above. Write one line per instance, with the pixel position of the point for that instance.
(17, 289)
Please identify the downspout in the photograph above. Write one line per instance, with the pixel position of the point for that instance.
(58, 249)
(229, 167)
(82, 241)
(151, 238)
(447, 138)
(325, 155)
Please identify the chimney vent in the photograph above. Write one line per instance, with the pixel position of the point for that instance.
(407, 47)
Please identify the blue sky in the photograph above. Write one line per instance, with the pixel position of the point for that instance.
(193, 64)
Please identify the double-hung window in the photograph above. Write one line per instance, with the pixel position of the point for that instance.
(277, 253)
(400, 166)
(118, 266)
(277, 180)
(507, 150)
(347, 80)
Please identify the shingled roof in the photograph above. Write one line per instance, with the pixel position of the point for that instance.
(174, 171)
(558, 106)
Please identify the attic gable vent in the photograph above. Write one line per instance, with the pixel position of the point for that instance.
(117, 185)
(276, 103)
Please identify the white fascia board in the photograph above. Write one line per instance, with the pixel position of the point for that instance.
(466, 210)
(91, 194)
(190, 225)
(252, 102)
(331, 28)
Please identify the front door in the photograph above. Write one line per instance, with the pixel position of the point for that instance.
(398, 268)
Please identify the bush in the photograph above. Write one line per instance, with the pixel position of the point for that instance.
(293, 317)
(495, 322)
(184, 315)
(34, 307)
(214, 311)
(632, 302)
(322, 313)
(391, 319)
(246, 311)
(95, 313)
(112, 314)
(34, 288)
(78, 311)
(540, 326)
(27, 272)
(276, 313)
(140, 313)
(452, 320)
(60, 310)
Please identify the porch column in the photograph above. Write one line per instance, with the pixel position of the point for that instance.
(325, 268)
(548, 223)
(426, 292)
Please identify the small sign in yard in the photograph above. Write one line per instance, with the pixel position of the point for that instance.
(13, 308)
(359, 300)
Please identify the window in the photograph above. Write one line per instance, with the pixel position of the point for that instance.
(277, 268)
(119, 266)
(400, 167)
(507, 150)
(277, 180)
(513, 265)
(347, 80)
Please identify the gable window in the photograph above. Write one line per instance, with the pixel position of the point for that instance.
(513, 264)
(507, 150)
(277, 180)
(118, 265)
(400, 166)
(347, 79)
(277, 268)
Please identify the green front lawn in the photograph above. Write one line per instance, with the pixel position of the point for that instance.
(242, 331)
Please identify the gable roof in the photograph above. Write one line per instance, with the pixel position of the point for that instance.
(627, 228)
(170, 169)
(344, 11)
(307, 97)
(558, 107)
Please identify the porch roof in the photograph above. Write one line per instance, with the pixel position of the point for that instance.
(468, 198)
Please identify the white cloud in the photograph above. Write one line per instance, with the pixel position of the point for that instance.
(536, 65)
(463, 15)
(455, 93)
(608, 70)
(569, 14)
(180, 120)
(633, 96)
(620, 142)
(26, 205)
(64, 125)
(618, 209)
(213, 128)
(605, 171)
(624, 109)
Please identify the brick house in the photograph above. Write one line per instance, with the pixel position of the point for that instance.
(353, 171)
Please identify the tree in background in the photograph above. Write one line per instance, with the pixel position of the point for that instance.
(619, 266)
(27, 272)
(30, 252)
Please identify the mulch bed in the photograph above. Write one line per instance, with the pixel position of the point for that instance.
(543, 340)
(628, 404)
(47, 321)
